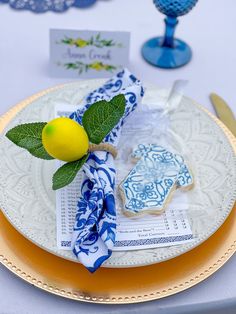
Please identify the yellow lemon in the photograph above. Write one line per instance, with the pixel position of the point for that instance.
(65, 139)
(81, 43)
(96, 66)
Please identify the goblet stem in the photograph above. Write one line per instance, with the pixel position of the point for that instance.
(171, 23)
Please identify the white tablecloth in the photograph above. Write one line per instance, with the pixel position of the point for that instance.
(24, 54)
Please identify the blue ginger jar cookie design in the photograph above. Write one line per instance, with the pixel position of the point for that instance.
(150, 184)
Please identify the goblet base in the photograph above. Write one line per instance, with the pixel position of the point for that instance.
(161, 56)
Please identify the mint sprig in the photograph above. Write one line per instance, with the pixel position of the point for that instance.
(29, 136)
(101, 117)
(66, 173)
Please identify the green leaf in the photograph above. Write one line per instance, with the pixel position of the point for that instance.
(101, 117)
(66, 174)
(29, 136)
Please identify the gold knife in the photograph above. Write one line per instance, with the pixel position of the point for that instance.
(224, 112)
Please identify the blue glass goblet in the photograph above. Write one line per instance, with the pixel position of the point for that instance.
(167, 51)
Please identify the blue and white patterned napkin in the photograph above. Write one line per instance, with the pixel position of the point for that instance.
(95, 226)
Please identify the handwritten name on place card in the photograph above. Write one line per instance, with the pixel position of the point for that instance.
(88, 54)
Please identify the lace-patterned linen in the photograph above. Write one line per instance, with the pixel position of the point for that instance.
(95, 226)
(40, 6)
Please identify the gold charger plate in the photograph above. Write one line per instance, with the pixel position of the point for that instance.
(114, 286)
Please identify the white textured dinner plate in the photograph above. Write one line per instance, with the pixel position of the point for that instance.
(27, 199)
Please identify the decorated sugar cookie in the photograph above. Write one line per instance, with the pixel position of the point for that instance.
(149, 185)
(185, 178)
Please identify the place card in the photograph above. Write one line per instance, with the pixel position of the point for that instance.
(88, 54)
